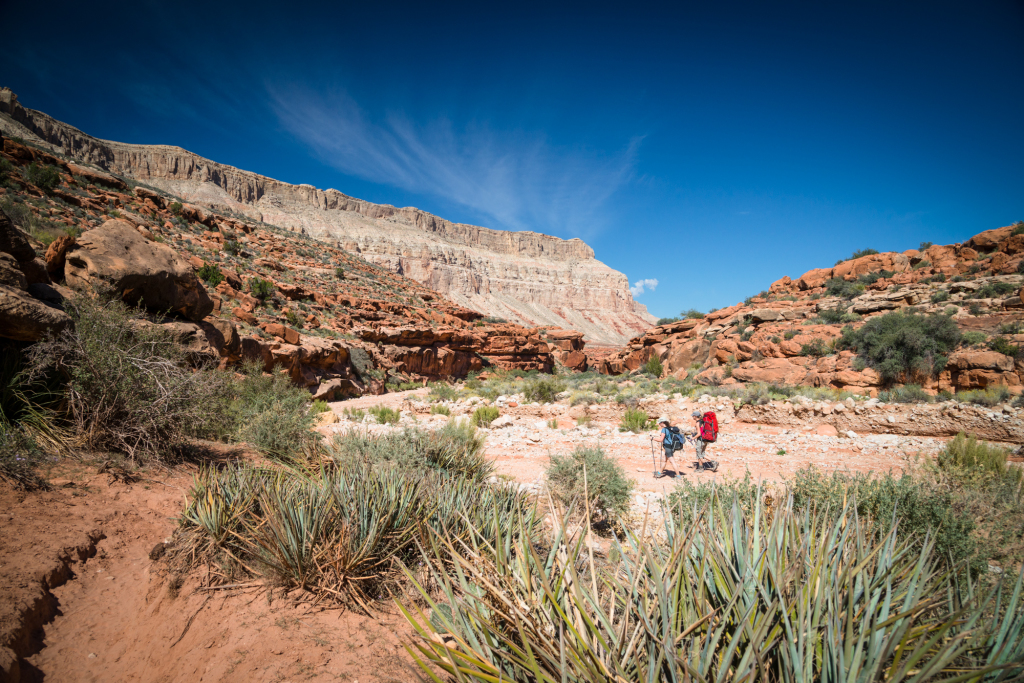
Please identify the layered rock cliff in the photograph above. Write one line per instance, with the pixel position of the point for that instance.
(525, 277)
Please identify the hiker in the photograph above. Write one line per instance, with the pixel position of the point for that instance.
(670, 439)
(705, 431)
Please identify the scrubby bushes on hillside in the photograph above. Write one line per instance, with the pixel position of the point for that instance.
(129, 387)
(902, 346)
(271, 413)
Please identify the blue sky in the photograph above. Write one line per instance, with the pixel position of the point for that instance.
(713, 147)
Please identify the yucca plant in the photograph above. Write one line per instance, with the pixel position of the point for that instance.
(728, 597)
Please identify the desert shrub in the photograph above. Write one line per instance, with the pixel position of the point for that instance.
(790, 334)
(584, 420)
(484, 416)
(666, 321)
(543, 389)
(354, 414)
(439, 391)
(457, 449)
(844, 289)
(993, 290)
(898, 345)
(45, 177)
(923, 264)
(260, 288)
(318, 406)
(968, 453)
(872, 278)
(692, 314)
(972, 338)
(1004, 346)
(925, 246)
(1020, 266)
(295, 321)
(815, 348)
(175, 208)
(493, 319)
(129, 384)
(607, 484)
(747, 334)
(20, 457)
(440, 409)
(272, 413)
(384, 415)
(837, 315)
(339, 273)
(940, 296)
(232, 247)
(910, 393)
(635, 421)
(863, 252)
(975, 309)
(210, 272)
(653, 367)
(585, 398)
(991, 396)
(1012, 327)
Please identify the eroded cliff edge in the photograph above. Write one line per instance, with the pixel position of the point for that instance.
(525, 277)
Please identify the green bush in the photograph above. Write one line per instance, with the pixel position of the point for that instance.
(384, 415)
(232, 247)
(339, 273)
(666, 321)
(272, 414)
(910, 393)
(899, 346)
(46, 178)
(1018, 228)
(439, 391)
(175, 208)
(834, 316)
(484, 416)
(354, 414)
(844, 289)
(585, 398)
(129, 384)
(991, 396)
(993, 290)
(543, 389)
(606, 481)
(636, 421)
(790, 334)
(940, 296)
(815, 348)
(260, 288)
(925, 246)
(692, 314)
(210, 272)
(319, 406)
(872, 278)
(968, 453)
(1004, 346)
(440, 409)
(653, 367)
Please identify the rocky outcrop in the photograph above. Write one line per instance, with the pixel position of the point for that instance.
(786, 335)
(115, 258)
(29, 308)
(524, 277)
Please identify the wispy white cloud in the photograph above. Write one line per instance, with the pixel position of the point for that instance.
(638, 287)
(518, 180)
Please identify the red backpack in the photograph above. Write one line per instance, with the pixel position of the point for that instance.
(709, 427)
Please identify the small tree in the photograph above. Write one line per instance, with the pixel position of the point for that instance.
(260, 288)
(210, 272)
(46, 178)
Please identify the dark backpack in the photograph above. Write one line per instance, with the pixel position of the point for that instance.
(709, 427)
(675, 439)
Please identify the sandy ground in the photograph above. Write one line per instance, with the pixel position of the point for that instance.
(113, 616)
(767, 452)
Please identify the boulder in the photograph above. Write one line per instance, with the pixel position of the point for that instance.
(56, 255)
(772, 371)
(115, 258)
(980, 360)
(813, 279)
(35, 271)
(10, 273)
(989, 240)
(25, 318)
(764, 315)
(223, 336)
(14, 241)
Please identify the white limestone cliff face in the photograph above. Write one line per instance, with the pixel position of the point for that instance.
(525, 277)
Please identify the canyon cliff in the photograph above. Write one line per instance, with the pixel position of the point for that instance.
(524, 277)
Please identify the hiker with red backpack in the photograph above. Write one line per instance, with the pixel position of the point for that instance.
(705, 432)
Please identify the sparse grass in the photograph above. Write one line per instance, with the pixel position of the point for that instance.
(319, 406)
(635, 421)
(440, 409)
(440, 391)
(384, 415)
(354, 414)
(653, 367)
(910, 393)
(990, 396)
(484, 416)
(543, 389)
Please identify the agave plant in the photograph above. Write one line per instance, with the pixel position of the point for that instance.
(729, 597)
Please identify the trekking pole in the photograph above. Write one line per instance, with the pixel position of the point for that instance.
(654, 462)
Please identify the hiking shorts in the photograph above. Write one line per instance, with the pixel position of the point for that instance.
(700, 445)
